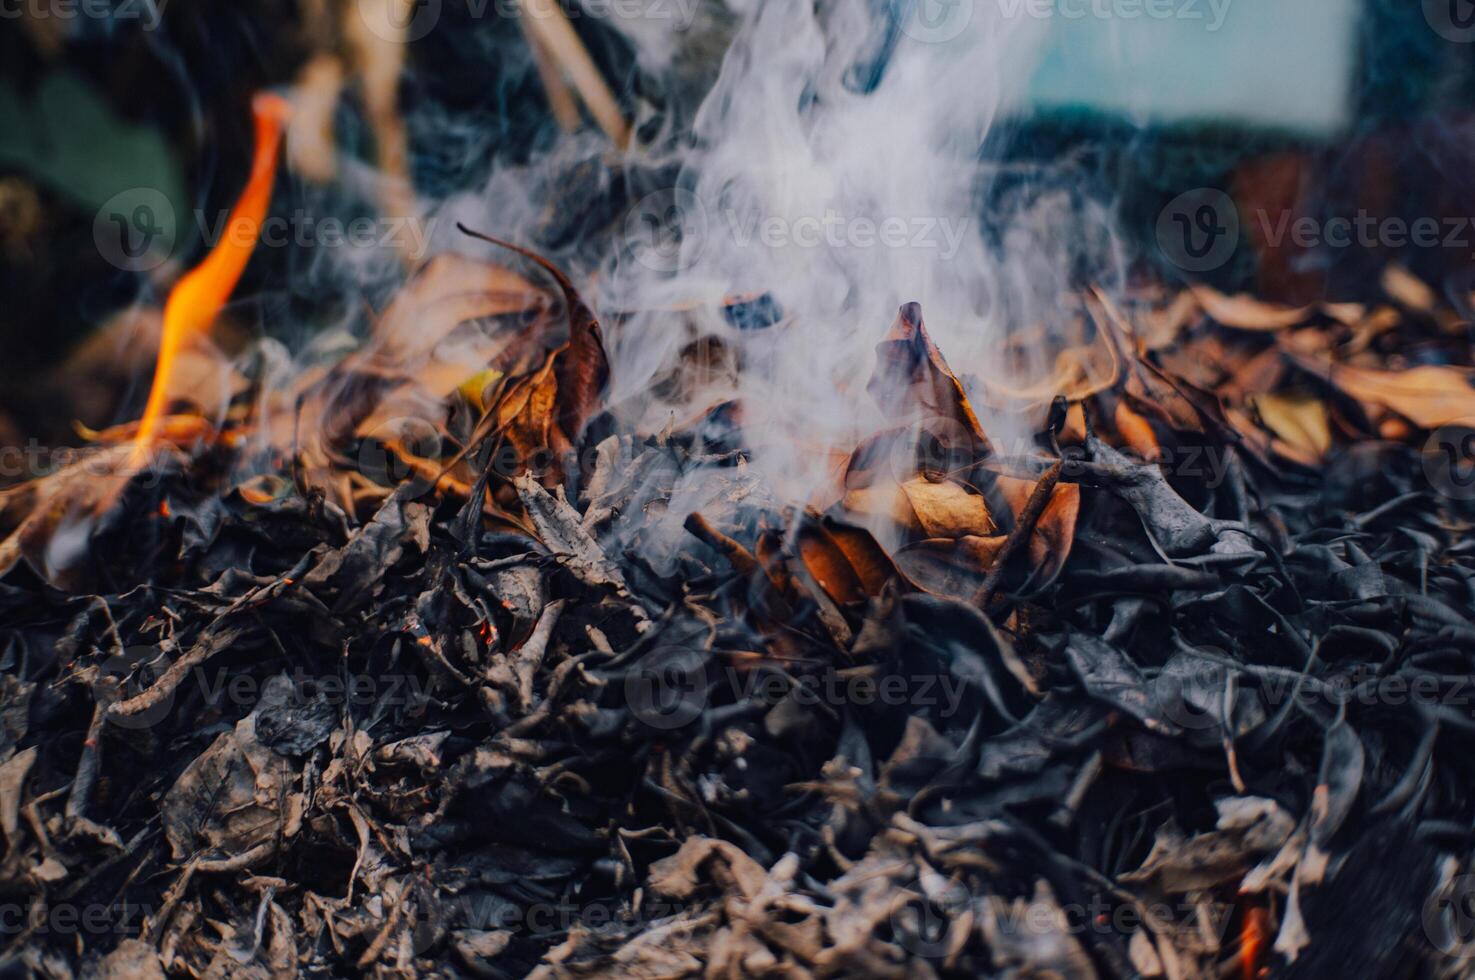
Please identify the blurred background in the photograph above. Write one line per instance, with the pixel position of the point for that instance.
(1312, 108)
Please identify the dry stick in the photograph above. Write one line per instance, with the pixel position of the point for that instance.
(1021, 532)
(560, 96)
(741, 558)
(550, 25)
(212, 641)
(85, 780)
(530, 656)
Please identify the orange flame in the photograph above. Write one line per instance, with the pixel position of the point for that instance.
(197, 299)
(1252, 941)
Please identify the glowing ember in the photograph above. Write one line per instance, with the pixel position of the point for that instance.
(198, 298)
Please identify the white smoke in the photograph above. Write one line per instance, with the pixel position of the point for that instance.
(842, 200)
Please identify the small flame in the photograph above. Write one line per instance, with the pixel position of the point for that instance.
(197, 299)
(1252, 941)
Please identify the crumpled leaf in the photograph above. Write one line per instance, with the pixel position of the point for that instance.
(13, 774)
(1338, 783)
(1054, 533)
(913, 383)
(355, 572)
(578, 372)
(1110, 676)
(133, 959)
(563, 533)
(701, 859)
(229, 801)
(953, 567)
(1248, 826)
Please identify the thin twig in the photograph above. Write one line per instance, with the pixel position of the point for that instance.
(1021, 532)
(560, 96)
(546, 21)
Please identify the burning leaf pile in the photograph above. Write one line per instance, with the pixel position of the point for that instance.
(428, 664)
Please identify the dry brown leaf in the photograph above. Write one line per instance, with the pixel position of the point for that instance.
(1136, 432)
(1244, 312)
(953, 567)
(958, 566)
(450, 290)
(913, 383)
(580, 368)
(1164, 325)
(1054, 534)
(947, 509)
(936, 510)
(1408, 289)
(846, 561)
(1427, 395)
(1299, 421)
(1050, 545)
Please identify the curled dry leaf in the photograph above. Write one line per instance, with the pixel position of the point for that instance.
(1429, 395)
(548, 409)
(846, 561)
(954, 567)
(449, 291)
(1300, 424)
(1136, 432)
(1247, 313)
(913, 383)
